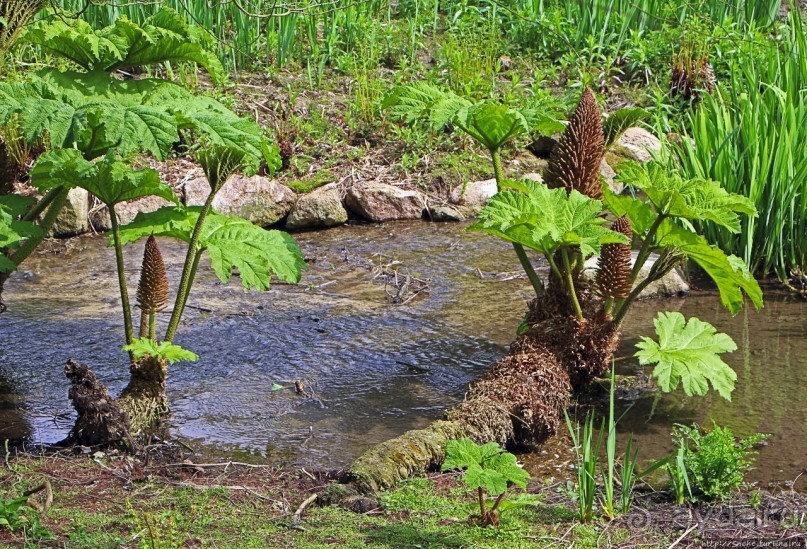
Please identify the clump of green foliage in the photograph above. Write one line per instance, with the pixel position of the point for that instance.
(749, 135)
(714, 462)
(93, 123)
(489, 469)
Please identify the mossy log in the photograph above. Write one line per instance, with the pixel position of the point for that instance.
(518, 402)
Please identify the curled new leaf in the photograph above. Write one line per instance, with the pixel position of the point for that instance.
(145, 347)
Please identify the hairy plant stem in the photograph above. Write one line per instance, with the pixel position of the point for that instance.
(188, 270)
(623, 307)
(152, 326)
(56, 202)
(195, 266)
(647, 245)
(43, 203)
(497, 502)
(526, 264)
(483, 510)
(567, 266)
(124, 290)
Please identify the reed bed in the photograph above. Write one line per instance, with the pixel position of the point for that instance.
(750, 135)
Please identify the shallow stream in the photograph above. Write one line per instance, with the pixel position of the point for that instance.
(371, 370)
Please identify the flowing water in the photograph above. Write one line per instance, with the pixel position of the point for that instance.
(371, 370)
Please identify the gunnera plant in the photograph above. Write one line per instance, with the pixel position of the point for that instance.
(571, 329)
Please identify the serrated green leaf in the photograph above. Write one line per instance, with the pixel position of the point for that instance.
(96, 112)
(688, 353)
(163, 37)
(16, 205)
(12, 230)
(490, 480)
(695, 199)
(615, 124)
(729, 273)
(640, 214)
(145, 347)
(487, 466)
(230, 242)
(531, 214)
(109, 179)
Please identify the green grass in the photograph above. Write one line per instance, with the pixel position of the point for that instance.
(94, 506)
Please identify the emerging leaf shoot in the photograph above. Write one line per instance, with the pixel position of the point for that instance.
(147, 347)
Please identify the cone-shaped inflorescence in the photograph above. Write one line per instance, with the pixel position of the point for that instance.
(152, 292)
(614, 272)
(576, 158)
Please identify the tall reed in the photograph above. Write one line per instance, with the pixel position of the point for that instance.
(750, 135)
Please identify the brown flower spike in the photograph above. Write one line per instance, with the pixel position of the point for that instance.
(152, 292)
(576, 158)
(614, 269)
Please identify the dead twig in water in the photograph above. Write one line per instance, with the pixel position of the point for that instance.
(401, 288)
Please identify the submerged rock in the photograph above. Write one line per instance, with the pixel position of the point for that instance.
(446, 213)
(382, 202)
(673, 283)
(321, 207)
(256, 198)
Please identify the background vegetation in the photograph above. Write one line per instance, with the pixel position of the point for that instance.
(726, 74)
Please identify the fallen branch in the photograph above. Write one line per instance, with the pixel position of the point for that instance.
(298, 514)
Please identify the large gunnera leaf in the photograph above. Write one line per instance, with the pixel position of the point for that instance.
(688, 353)
(696, 199)
(544, 219)
(230, 243)
(163, 37)
(109, 179)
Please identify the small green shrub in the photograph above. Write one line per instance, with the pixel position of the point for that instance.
(715, 462)
(489, 469)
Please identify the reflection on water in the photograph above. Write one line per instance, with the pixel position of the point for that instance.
(371, 370)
